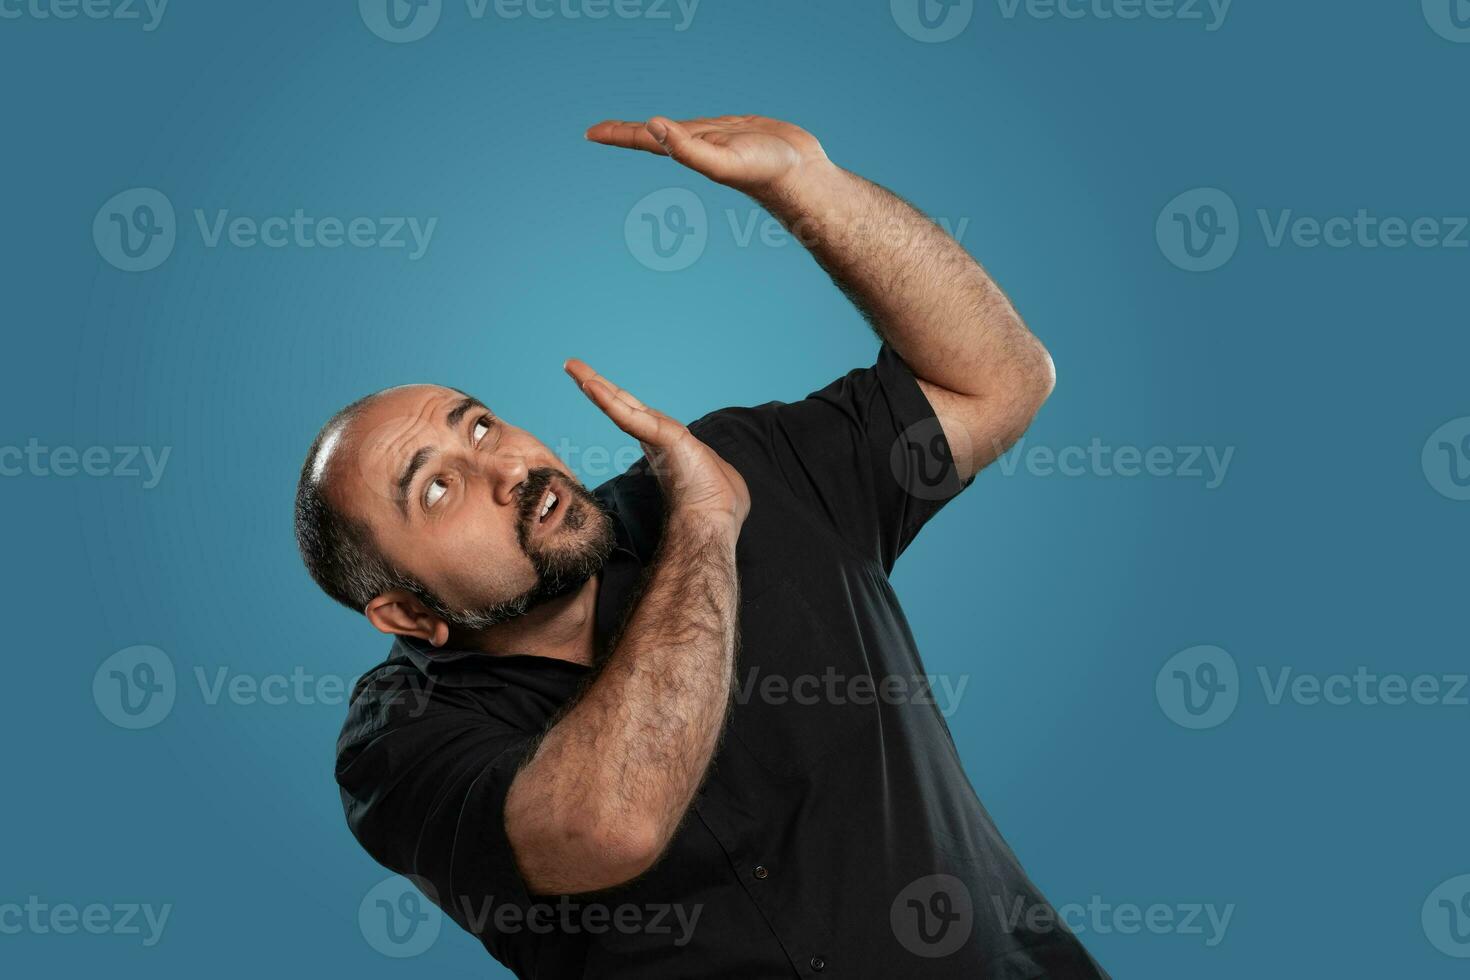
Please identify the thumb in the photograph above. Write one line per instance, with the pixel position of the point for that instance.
(687, 149)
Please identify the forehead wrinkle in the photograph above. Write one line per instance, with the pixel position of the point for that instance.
(352, 442)
(461, 408)
(400, 447)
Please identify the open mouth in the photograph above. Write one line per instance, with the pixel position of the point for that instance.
(549, 510)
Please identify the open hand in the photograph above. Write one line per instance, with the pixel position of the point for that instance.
(753, 154)
(694, 479)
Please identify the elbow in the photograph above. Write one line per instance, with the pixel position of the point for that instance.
(623, 850)
(1043, 375)
(1033, 375)
(1032, 378)
(586, 855)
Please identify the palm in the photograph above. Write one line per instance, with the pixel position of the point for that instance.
(747, 152)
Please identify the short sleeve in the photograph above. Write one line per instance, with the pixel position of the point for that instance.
(425, 796)
(866, 452)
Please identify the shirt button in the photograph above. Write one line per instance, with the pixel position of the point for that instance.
(818, 964)
(761, 872)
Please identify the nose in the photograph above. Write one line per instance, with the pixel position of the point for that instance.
(507, 471)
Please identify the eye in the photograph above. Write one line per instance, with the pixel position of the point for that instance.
(481, 427)
(436, 489)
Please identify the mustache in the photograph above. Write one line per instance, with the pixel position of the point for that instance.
(533, 488)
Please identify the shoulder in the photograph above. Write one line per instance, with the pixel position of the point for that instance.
(397, 696)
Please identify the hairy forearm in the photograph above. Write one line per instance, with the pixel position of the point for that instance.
(611, 780)
(918, 287)
(982, 371)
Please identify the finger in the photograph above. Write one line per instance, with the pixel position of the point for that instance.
(647, 427)
(711, 122)
(629, 135)
(581, 372)
(686, 148)
(593, 383)
(579, 369)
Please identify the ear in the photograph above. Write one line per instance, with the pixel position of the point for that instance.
(400, 613)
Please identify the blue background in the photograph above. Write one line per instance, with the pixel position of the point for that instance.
(1324, 549)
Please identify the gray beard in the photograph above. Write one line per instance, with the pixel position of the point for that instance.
(556, 573)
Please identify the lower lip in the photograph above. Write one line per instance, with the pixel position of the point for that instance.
(554, 518)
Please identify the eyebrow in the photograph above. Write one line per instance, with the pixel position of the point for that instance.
(405, 479)
(420, 458)
(457, 412)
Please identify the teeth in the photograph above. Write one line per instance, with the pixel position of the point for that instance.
(546, 507)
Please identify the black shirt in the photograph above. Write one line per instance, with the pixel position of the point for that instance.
(836, 833)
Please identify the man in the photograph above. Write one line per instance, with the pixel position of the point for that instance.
(677, 727)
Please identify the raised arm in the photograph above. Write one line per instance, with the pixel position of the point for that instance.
(985, 374)
(609, 783)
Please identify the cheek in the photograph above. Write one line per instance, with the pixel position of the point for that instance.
(478, 561)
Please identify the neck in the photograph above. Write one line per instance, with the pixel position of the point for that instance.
(563, 628)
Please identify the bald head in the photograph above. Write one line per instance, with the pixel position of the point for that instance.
(420, 491)
(337, 547)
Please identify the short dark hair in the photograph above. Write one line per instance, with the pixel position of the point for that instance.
(340, 551)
